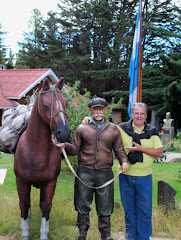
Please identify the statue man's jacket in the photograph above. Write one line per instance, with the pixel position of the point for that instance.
(94, 148)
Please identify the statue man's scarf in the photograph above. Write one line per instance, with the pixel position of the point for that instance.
(148, 131)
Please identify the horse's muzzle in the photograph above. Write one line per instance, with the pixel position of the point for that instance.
(63, 134)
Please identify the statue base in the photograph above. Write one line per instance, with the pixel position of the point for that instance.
(168, 134)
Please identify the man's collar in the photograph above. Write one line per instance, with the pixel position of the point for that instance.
(92, 121)
(136, 128)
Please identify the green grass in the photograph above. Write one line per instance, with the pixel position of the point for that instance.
(168, 172)
(174, 146)
(63, 216)
(177, 145)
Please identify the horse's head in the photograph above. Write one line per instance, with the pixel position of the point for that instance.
(52, 109)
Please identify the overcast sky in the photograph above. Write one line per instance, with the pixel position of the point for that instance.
(14, 17)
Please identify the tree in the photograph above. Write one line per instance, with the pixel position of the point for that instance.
(161, 29)
(91, 41)
(98, 43)
(9, 61)
(162, 85)
(33, 52)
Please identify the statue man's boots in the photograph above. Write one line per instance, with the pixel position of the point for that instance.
(105, 227)
(83, 223)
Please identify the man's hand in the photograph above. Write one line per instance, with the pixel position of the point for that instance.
(137, 147)
(125, 167)
(157, 152)
(86, 120)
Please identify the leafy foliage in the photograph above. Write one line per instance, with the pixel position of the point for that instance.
(77, 108)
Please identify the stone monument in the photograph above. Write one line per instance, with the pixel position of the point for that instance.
(166, 197)
(168, 133)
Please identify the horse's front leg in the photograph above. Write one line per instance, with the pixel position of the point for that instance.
(46, 196)
(24, 203)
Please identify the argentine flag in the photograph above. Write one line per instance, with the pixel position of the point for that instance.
(134, 65)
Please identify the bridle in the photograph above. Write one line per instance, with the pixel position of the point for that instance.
(54, 92)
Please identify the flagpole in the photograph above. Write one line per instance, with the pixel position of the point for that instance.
(139, 99)
(135, 67)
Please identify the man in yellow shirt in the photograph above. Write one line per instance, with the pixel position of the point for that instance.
(142, 143)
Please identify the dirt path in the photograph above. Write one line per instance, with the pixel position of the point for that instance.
(171, 157)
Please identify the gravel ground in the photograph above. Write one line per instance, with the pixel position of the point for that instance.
(172, 157)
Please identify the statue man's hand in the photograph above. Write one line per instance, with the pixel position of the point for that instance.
(86, 120)
(125, 167)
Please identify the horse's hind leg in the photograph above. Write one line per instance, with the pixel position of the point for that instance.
(46, 196)
(24, 203)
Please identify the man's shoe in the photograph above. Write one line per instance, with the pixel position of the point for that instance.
(106, 238)
(82, 238)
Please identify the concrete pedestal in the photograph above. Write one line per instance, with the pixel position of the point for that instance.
(168, 134)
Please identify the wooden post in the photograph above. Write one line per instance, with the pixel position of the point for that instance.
(140, 60)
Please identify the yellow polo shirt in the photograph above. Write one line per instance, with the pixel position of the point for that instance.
(140, 168)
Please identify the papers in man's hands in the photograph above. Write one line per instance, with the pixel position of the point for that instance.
(2, 175)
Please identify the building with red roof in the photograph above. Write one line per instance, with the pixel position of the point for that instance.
(17, 84)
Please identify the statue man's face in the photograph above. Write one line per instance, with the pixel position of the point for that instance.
(168, 115)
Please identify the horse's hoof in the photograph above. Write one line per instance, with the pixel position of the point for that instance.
(25, 238)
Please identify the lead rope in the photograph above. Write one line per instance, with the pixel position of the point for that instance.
(62, 146)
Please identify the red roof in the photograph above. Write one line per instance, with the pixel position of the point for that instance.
(17, 82)
(5, 103)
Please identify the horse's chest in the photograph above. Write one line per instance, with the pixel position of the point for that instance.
(42, 160)
(39, 166)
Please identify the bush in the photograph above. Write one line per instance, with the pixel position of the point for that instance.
(78, 105)
(178, 136)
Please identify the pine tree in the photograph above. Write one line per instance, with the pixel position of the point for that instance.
(10, 60)
(98, 42)
(91, 41)
(33, 49)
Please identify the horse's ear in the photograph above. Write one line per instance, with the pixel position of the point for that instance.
(60, 83)
(46, 85)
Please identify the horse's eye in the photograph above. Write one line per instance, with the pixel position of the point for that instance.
(46, 107)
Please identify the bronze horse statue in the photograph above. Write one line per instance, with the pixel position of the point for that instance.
(37, 159)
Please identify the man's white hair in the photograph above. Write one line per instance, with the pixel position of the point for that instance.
(139, 104)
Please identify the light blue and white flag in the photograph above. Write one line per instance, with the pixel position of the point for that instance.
(134, 65)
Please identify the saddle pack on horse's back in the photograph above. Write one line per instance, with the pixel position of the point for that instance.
(14, 123)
